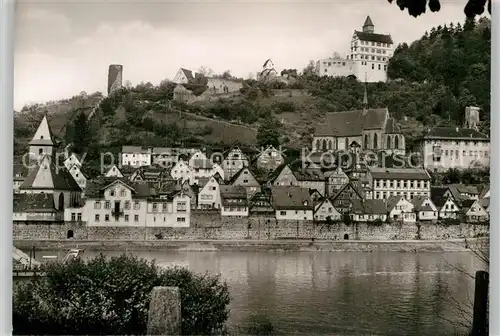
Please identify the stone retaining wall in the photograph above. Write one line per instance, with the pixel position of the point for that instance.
(256, 228)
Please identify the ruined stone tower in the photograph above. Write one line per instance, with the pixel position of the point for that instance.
(472, 117)
(115, 73)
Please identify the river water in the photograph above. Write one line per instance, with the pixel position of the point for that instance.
(338, 293)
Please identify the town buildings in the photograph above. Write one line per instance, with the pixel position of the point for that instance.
(454, 147)
(368, 57)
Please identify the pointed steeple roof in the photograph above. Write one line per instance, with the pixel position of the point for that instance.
(368, 22)
(46, 175)
(43, 135)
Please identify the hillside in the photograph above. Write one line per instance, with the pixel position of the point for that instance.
(431, 82)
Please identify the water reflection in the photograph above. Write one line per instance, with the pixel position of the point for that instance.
(339, 293)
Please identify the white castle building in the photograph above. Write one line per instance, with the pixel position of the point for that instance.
(368, 58)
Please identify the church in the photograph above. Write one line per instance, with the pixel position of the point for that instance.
(369, 129)
(48, 188)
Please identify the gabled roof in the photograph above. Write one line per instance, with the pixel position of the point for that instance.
(373, 37)
(43, 135)
(95, 188)
(46, 175)
(418, 202)
(188, 74)
(485, 203)
(454, 133)
(391, 127)
(233, 195)
(352, 123)
(392, 202)
(239, 173)
(466, 204)
(34, 203)
(355, 185)
(291, 198)
(484, 191)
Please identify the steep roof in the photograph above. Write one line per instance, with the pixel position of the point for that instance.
(418, 202)
(233, 195)
(96, 188)
(352, 123)
(400, 173)
(43, 135)
(454, 133)
(291, 198)
(373, 37)
(368, 22)
(47, 175)
(34, 203)
(392, 202)
(188, 74)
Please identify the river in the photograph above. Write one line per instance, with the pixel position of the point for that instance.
(338, 293)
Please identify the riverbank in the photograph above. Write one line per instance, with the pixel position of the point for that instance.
(414, 246)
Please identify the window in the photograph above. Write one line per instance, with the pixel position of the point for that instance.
(245, 181)
(181, 206)
(107, 205)
(137, 205)
(373, 65)
(379, 66)
(127, 205)
(106, 218)
(97, 205)
(79, 217)
(282, 213)
(181, 219)
(73, 216)
(126, 218)
(96, 218)
(164, 207)
(213, 188)
(112, 192)
(123, 193)
(155, 207)
(136, 218)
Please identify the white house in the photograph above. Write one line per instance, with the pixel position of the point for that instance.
(113, 202)
(233, 162)
(368, 210)
(270, 158)
(447, 208)
(425, 208)
(234, 201)
(407, 182)
(135, 156)
(183, 76)
(181, 171)
(400, 209)
(246, 179)
(325, 210)
(209, 195)
(71, 161)
(78, 175)
(173, 211)
(473, 211)
(292, 203)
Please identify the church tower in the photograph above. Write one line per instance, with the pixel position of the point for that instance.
(368, 26)
(43, 142)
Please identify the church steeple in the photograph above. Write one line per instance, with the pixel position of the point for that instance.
(43, 141)
(368, 26)
(365, 99)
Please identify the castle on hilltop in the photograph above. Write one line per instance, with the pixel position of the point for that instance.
(368, 58)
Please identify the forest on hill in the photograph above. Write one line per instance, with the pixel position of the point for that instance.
(432, 80)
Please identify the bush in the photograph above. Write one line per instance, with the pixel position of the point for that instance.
(111, 297)
(286, 106)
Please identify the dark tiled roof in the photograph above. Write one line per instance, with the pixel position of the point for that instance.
(61, 178)
(392, 202)
(309, 175)
(466, 204)
(454, 133)
(485, 203)
(373, 37)
(399, 173)
(188, 74)
(368, 22)
(417, 202)
(368, 207)
(95, 188)
(34, 203)
(240, 172)
(484, 190)
(233, 195)
(291, 198)
(352, 123)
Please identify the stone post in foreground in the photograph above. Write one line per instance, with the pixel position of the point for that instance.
(164, 316)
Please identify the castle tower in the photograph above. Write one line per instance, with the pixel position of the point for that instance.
(368, 26)
(472, 117)
(115, 74)
(42, 143)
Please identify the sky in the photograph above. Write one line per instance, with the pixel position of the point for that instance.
(65, 47)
